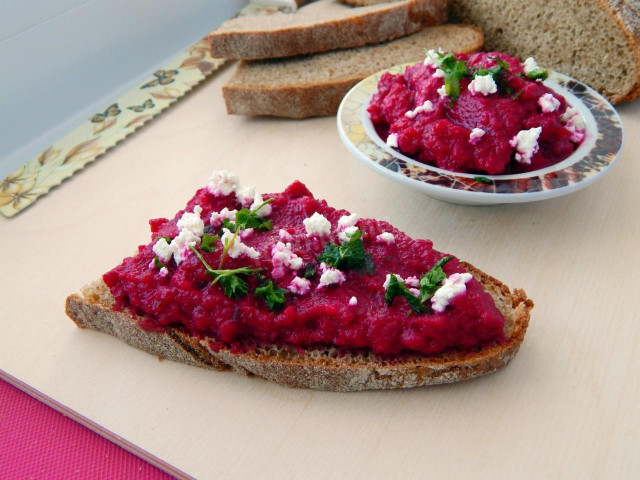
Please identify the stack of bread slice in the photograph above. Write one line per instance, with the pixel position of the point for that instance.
(301, 64)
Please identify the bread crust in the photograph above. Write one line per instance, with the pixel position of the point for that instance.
(316, 369)
(321, 98)
(367, 25)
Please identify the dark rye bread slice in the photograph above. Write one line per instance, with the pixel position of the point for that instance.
(318, 369)
(594, 41)
(313, 85)
(322, 25)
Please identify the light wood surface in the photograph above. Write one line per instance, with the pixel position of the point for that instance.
(566, 407)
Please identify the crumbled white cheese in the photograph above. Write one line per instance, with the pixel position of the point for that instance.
(415, 292)
(475, 135)
(246, 233)
(180, 245)
(548, 103)
(453, 285)
(439, 73)
(483, 84)
(392, 140)
(238, 248)
(432, 58)
(192, 221)
(442, 91)
(163, 272)
(285, 236)
(386, 237)
(412, 281)
(163, 250)
(427, 106)
(345, 235)
(299, 286)
(282, 258)
(317, 224)
(347, 221)
(387, 280)
(530, 65)
(353, 301)
(224, 214)
(574, 122)
(330, 276)
(526, 144)
(222, 183)
(265, 211)
(245, 195)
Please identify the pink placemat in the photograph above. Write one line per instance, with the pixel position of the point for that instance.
(37, 442)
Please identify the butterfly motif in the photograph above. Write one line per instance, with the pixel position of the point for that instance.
(141, 108)
(162, 78)
(111, 111)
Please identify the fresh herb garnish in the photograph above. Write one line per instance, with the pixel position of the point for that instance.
(396, 288)
(246, 218)
(517, 95)
(486, 180)
(272, 294)
(538, 74)
(430, 281)
(234, 286)
(229, 225)
(309, 270)
(454, 70)
(167, 239)
(158, 263)
(429, 284)
(208, 243)
(501, 63)
(350, 254)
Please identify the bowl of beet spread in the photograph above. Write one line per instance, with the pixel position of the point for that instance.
(481, 128)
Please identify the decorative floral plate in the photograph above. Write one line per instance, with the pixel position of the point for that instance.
(592, 159)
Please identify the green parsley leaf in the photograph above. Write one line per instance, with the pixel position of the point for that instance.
(454, 70)
(538, 74)
(234, 286)
(350, 254)
(486, 180)
(397, 288)
(430, 281)
(229, 225)
(309, 270)
(208, 243)
(272, 294)
(501, 63)
(158, 263)
(246, 218)
(167, 239)
(517, 95)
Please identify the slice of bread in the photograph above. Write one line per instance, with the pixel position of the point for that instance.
(323, 25)
(317, 369)
(594, 41)
(313, 85)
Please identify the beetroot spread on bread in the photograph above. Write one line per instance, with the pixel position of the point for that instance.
(484, 113)
(299, 273)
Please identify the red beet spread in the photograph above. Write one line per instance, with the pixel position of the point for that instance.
(441, 137)
(185, 299)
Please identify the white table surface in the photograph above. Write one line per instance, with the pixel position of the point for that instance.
(566, 407)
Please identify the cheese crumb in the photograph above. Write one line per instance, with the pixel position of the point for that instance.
(163, 272)
(180, 245)
(353, 301)
(432, 58)
(265, 211)
(392, 140)
(475, 135)
(442, 91)
(224, 214)
(317, 224)
(387, 280)
(285, 236)
(238, 248)
(526, 144)
(345, 235)
(163, 250)
(484, 84)
(439, 73)
(452, 286)
(412, 281)
(386, 237)
(299, 286)
(245, 195)
(192, 221)
(347, 221)
(282, 258)
(574, 122)
(530, 65)
(222, 183)
(427, 106)
(330, 276)
(548, 103)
